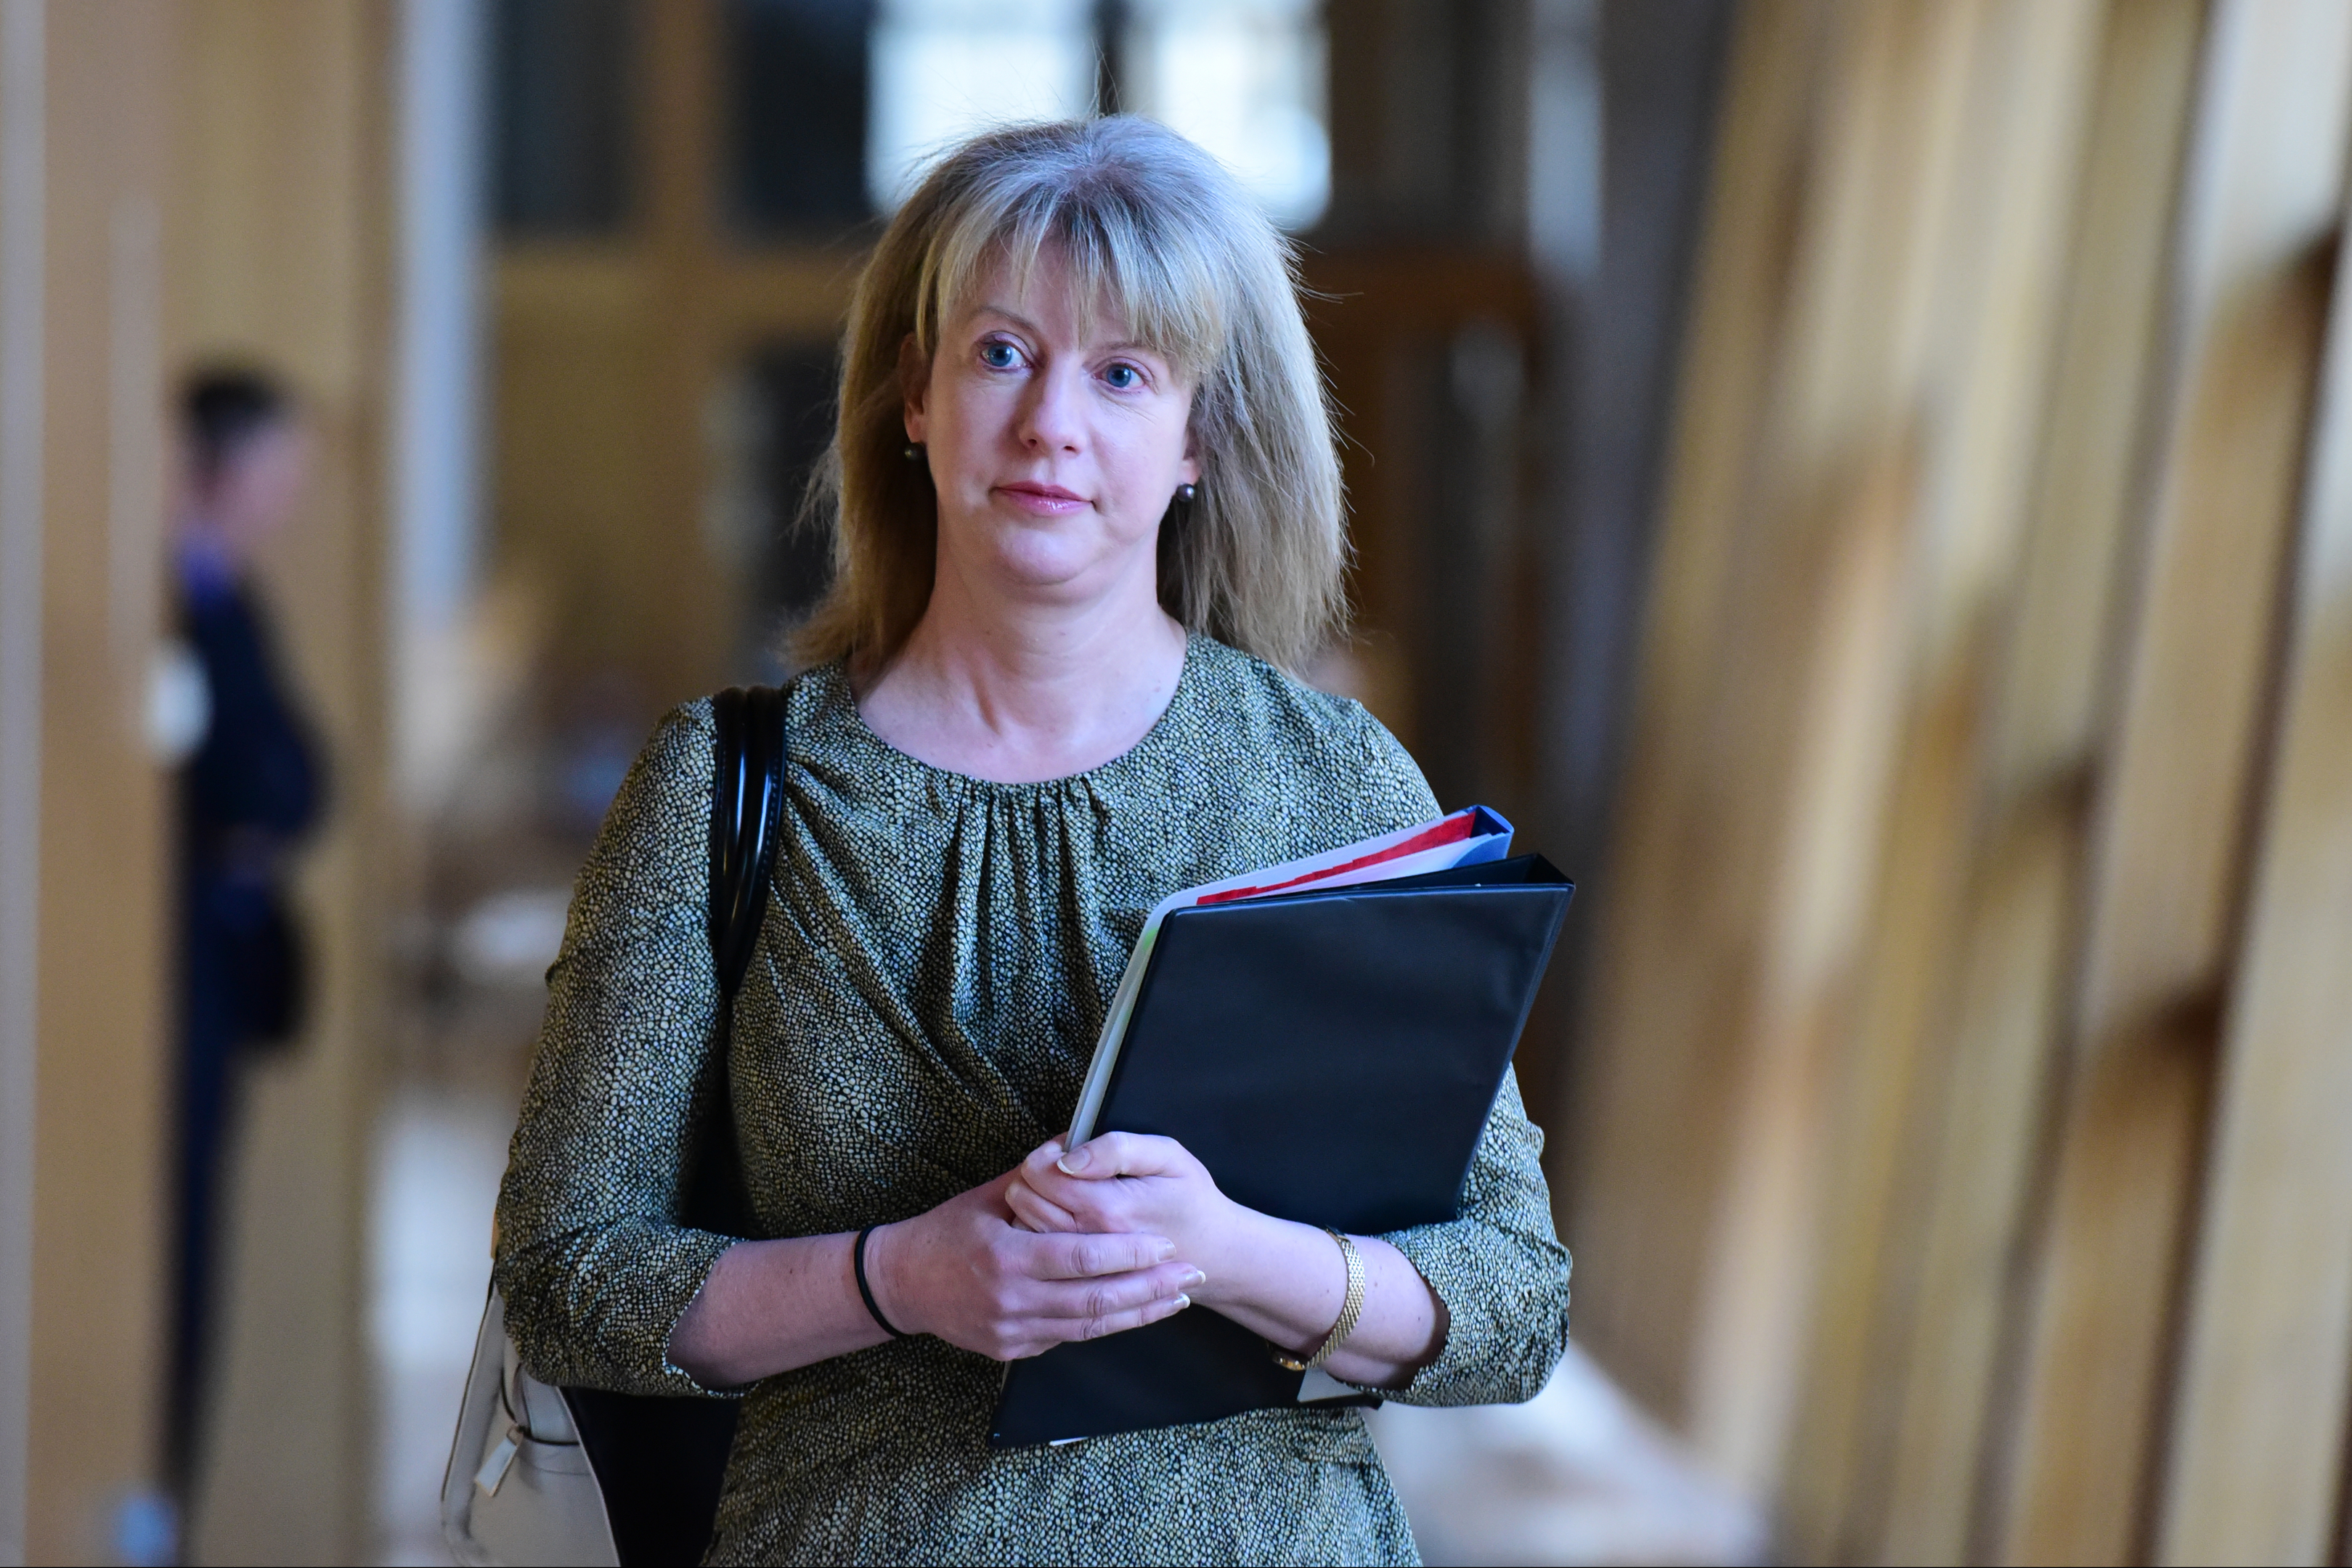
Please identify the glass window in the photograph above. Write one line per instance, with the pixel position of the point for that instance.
(765, 429)
(559, 108)
(1245, 78)
(945, 69)
(798, 111)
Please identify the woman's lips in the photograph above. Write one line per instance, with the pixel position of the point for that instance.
(1043, 500)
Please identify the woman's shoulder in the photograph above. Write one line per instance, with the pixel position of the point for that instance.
(1246, 687)
(677, 753)
(1236, 686)
(661, 809)
(681, 746)
(1335, 739)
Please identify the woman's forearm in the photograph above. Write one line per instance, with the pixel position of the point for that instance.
(1287, 1282)
(770, 1306)
(960, 1271)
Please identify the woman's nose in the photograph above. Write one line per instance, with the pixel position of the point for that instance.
(1053, 417)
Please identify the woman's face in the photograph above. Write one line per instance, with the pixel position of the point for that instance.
(1055, 442)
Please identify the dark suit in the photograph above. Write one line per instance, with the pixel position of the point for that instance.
(251, 788)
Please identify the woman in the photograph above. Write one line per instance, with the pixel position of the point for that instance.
(1087, 513)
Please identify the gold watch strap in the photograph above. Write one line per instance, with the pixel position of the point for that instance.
(1351, 1309)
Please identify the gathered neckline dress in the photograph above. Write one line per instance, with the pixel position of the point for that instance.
(929, 979)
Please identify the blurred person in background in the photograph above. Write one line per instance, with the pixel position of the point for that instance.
(249, 787)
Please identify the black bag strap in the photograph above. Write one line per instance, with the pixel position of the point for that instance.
(747, 794)
(660, 1462)
(747, 799)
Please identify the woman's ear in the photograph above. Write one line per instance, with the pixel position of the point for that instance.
(1188, 472)
(914, 385)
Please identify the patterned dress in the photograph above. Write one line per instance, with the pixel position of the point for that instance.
(922, 1007)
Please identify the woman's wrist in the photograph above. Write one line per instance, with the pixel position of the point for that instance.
(1274, 1267)
(892, 1306)
(770, 1306)
(1289, 1282)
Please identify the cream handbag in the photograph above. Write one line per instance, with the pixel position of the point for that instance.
(524, 1485)
(520, 1489)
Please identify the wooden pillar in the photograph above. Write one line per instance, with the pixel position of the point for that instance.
(2265, 185)
(282, 174)
(90, 418)
(1976, 1129)
(2258, 1452)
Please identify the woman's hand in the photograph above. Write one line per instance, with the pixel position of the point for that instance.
(1284, 1281)
(1127, 1182)
(967, 1273)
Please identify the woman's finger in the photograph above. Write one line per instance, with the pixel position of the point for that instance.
(1068, 1302)
(1091, 1256)
(1125, 1154)
(1087, 1201)
(1035, 1211)
(1133, 1318)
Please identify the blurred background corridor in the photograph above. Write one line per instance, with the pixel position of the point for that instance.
(1864, 485)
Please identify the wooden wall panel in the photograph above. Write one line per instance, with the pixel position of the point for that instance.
(2265, 185)
(101, 1103)
(1858, 426)
(607, 354)
(1649, 1141)
(2258, 1451)
(573, 512)
(1957, 755)
(1770, 711)
(1980, 399)
(283, 217)
(1976, 1120)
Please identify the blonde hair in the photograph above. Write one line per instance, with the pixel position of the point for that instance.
(1160, 236)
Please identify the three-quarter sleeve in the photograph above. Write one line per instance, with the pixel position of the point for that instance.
(1499, 1267)
(1500, 1270)
(594, 1266)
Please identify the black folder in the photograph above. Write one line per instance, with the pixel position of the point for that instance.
(1331, 1057)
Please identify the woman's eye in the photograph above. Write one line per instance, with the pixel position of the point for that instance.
(999, 356)
(1123, 377)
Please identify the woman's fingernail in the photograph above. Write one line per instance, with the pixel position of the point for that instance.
(1180, 1304)
(1167, 1251)
(1076, 1160)
(1195, 1281)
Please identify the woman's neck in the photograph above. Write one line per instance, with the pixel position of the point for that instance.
(1023, 691)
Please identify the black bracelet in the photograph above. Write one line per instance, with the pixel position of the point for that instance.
(858, 1266)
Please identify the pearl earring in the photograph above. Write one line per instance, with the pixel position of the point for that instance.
(1185, 494)
(914, 453)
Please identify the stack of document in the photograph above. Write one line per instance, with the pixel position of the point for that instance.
(1327, 1036)
(1468, 837)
